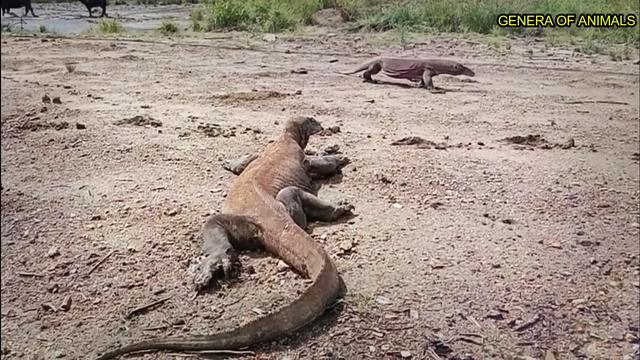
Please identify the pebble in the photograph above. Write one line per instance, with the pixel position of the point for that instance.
(66, 303)
(53, 252)
(346, 245)
(383, 300)
(405, 354)
(396, 205)
(282, 266)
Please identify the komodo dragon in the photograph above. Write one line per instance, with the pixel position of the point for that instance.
(259, 213)
(413, 69)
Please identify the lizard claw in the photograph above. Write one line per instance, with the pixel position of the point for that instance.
(213, 266)
(343, 161)
(343, 208)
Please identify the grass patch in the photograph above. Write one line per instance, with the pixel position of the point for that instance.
(108, 26)
(168, 27)
(457, 16)
(461, 16)
(256, 15)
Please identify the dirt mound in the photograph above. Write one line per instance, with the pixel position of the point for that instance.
(139, 120)
(537, 141)
(257, 95)
(215, 130)
(429, 144)
(43, 125)
(327, 18)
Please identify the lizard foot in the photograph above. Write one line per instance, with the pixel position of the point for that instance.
(343, 208)
(343, 161)
(221, 265)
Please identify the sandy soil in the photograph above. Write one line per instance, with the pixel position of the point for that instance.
(469, 248)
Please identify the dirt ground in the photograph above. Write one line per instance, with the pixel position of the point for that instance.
(465, 246)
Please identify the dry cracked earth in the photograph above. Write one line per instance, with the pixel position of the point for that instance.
(497, 219)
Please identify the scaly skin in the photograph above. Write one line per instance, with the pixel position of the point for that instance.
(258, 214)
(422, 70)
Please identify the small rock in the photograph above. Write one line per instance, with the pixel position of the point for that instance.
(257, 311)
(405, 354)
(332, 149)
(53, 288)
(282, 266)
(556, 245)
(346, 245)
(53, 252)
(383, 300)
(172, 212)
(66, 304)
(616, 335)
(56, 100)
(269, 37)
(396, 205)
(549, 355)
(80, 126)
(46, 99)
(496, 266)
(632, 338)
(495, 315)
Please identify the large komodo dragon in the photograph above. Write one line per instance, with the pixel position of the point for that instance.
(266, 208)
(412, 69)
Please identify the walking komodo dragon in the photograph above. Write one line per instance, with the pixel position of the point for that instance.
(412, 69)
(267, 208)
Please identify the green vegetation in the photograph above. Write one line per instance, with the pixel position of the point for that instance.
(168, 27)
(258, 15)
(458, 16)
(108, 26)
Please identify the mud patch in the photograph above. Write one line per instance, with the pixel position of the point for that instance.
(215, 130)
(429, 144)
(537, 141)
(139, 120)
(329, 131)
(258, 95)
(34, 125)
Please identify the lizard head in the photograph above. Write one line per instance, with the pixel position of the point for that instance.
(459, 69)
(302, 127)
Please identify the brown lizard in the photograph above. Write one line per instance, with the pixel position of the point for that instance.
(266, 208)
(413, 69)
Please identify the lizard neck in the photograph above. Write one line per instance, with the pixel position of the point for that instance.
(297, 134)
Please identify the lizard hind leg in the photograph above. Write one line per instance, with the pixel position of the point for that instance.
(303, 206)
(372, 70)
(223, 236)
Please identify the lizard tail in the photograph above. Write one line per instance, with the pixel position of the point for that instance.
(361, 67)
(298, 249)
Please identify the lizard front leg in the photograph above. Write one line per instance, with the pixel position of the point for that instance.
(223, 235)
(304, 206)
(427, 80)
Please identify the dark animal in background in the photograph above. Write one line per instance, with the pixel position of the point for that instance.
(90, 4)
(7, 5)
